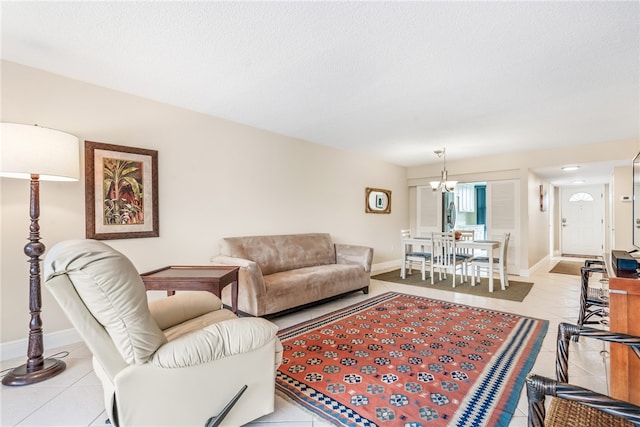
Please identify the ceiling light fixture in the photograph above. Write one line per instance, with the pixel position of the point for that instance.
(570, 168)
(444, 184)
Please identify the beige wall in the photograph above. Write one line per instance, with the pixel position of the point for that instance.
(555, 222)
(622, 212)
(538, 227)
(217, 178)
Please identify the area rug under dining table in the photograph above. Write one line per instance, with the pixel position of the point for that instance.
(517, 290)
(404, 360)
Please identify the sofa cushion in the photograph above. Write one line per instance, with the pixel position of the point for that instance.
(310, 284)
(281, 252)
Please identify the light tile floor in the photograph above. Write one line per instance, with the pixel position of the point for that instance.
(74, 398)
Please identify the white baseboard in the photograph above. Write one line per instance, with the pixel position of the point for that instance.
(18, 348)
(383, 267)
(542, 263)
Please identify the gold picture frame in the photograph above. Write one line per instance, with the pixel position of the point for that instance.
(377, 200)
(121, 192)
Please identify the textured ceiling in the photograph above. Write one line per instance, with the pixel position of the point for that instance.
(396, 80)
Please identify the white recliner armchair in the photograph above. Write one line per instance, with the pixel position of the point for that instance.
(178, 361)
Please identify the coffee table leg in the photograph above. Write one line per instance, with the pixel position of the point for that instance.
(234, 297)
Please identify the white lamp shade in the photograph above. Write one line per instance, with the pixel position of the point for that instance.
(450, 185)
(49, 153)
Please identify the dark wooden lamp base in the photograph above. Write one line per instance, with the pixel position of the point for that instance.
(37, 367)
(22, 376)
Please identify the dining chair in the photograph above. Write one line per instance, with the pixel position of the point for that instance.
(464, 254)
(499, 264)
(443, 258)
(413, 256)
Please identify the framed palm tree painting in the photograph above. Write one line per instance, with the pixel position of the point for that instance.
(121, 186)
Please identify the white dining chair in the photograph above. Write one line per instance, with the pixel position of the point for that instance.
(413, 256)
(464, 254)
(443, 256)
(499, 264)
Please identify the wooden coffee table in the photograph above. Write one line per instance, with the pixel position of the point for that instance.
(194, 278)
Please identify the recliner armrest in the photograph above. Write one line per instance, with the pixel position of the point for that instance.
(183, 306)
(353, 254)
(217, 341)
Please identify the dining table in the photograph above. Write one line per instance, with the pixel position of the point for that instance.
(425, 244)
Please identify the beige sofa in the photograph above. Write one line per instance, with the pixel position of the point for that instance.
(280, 273)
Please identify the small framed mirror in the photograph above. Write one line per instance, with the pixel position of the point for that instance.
(377, 200)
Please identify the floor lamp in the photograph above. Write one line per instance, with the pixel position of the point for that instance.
(36, 153)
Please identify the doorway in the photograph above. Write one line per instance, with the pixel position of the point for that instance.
(490, 209)
(466, 209)
(582, 220)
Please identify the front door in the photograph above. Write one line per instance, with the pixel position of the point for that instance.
(582, 220)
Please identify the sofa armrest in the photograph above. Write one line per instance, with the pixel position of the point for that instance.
(353, 254)
(250, 273)
(216, 341)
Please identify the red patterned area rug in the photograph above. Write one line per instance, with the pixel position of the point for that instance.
(404, 360)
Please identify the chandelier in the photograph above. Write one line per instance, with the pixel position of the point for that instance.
(444, 184)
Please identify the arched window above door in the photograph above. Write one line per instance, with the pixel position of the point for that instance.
(581, 197)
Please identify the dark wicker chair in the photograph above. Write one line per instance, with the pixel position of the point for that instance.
(594, 301)
(576, 406)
